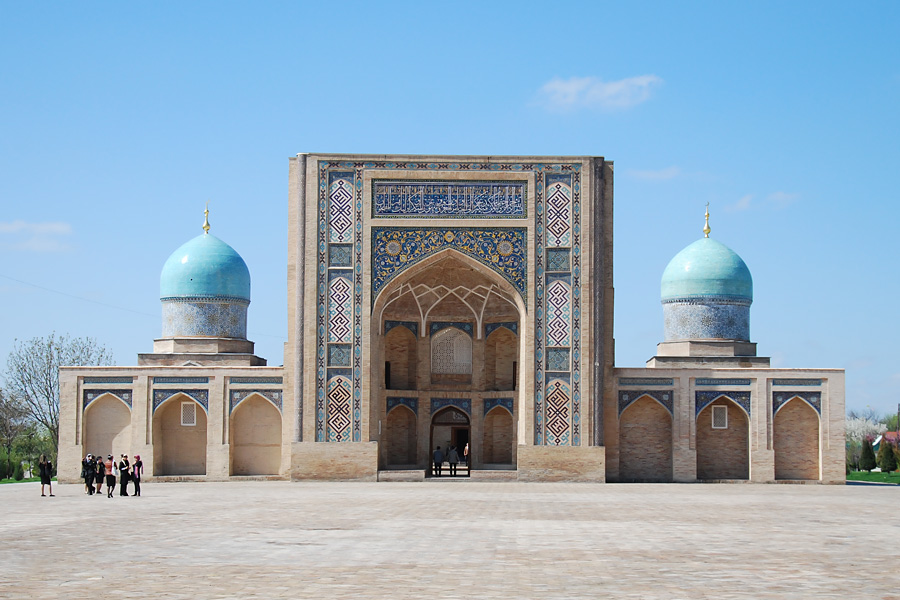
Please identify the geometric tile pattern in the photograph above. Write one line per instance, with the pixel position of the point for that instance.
(180, 380)
(201, 396)
(339, 355)
(557, 235)
(453, 199)
(440, 325)
(646, 381)
(340, 308)
(91, 395)
(223, 318)
(792, 382)
(340, 395)
(341, 208)
(707, 381)
(705, 398)
(257, 380)
(491, 403)
(395, 249)
(490, 328)
(235, 397)
(464, 404)
(664, 397)
(128, 379)
(411, 325)
(411, 403)
(779, 399)
(706, 319)
(340, 255)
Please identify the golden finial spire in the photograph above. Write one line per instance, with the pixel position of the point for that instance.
(206, 218)
(706, 228)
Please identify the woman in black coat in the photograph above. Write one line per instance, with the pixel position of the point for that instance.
(45, 468)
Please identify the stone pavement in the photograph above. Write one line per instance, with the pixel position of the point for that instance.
(451, 539)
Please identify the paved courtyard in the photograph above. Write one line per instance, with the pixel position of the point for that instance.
(451, 539)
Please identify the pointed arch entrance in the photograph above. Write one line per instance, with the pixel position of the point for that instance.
(450, 428)
(179, 437)
(723, 441)
(107, 426)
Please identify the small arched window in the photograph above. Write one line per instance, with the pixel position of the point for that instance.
(451, 352)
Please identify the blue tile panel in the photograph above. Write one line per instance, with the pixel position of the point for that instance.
(235, 397)
(453, 199)
(108, 379)
(339, 355)
(705, 398)
(706, 319)
(706, 381)
(503, 250)
(464, 404)
(507, 403)
(91, 395)
(797, 382)
(490, 328)
(180, 380)
(411, 403)
(206, 318)
(257, 380)
(340, 220)
(201, 396)
(664, 397)
(411, 325)
(557, 359)
(643, 381)
(436, 326)
(779, 399)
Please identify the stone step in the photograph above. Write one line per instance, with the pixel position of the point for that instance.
(396, 475)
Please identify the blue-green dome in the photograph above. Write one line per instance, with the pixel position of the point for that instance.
(707, 269)
(205, 267)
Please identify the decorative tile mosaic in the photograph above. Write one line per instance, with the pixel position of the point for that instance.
(395, 249)
(411, 325)
(464, 404)
(338, 355)
(235, 397)
(646, 381)
(91, 395)
(779, 399)
(706, 319)
(340, 395)
(204, 319)
(200, 396)
(340, 306)
(108, 379)
(507, 403)
(557, 359)
(797, 382)
(454, 199)
(706, 381)
(257, 380)
(411, 403)
(180, 380)
(340, 255)
(558, 311)
(705, 398)
(340, 209)
(664, 397)
(490, 328)
(436, 326)
(559, 210)
(559, 411)
(558, 259)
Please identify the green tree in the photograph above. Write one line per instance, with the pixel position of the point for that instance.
(32, 374)
(867, 458)
(19, 475)
(13, 422)
(886, 460)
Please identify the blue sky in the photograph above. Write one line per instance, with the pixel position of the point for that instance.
(119, 121)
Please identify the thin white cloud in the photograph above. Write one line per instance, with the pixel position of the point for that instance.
(35, 237)
(782, 199)
(591, 92)
(742, 204)
(658, 175)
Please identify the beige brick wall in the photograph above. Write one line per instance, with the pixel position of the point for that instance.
(562, 463)
(796, 437)
(255, 438)
(400, 437)
(400, 351)
(335, 462)
(645, 442)
(501, 352)
(498, 437)
(723, 453)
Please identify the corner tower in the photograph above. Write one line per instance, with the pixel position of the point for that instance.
(205, 293)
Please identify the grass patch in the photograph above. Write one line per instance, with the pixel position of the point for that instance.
(874, 477)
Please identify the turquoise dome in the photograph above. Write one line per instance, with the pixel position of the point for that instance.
(205, 267)
(707, 269)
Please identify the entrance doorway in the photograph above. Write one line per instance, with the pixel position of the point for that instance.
(450, 427)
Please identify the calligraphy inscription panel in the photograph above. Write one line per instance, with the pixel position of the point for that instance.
(405, 198)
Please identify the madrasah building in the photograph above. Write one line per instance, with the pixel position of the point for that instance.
(453, 300)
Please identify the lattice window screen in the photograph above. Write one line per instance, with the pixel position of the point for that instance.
(451, 352)
(188, 414)
(720, 417)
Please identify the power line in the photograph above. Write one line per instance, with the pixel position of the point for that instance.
(46, 289)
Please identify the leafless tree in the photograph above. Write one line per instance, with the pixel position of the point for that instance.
(13, 421)
(32, 373)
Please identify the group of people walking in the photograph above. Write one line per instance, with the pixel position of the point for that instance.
(95, 471)
(451, 457)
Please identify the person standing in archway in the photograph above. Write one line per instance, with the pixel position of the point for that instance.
(438, 461)
(466, 455)
(453, 459)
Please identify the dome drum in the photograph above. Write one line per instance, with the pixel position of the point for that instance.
(201, 317)
(706, 320)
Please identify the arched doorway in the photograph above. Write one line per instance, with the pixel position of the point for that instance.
(255, 437)
(179, 437)
(645, 442)
(400, 438)
(497, 446)
(449, 427)
(796, 433)
(107, 427)
(723, 441)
